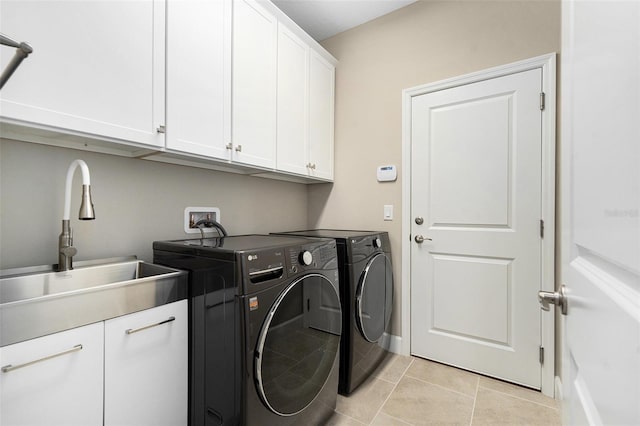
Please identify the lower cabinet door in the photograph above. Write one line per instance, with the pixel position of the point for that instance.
(53, 380)
(146, 367)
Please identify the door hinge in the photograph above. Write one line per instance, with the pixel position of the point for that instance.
(541, 355)
(541, 101)
(541, 228)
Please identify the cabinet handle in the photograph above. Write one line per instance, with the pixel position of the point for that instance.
(161, 129)
(10, 367)
(239, 148)
(229, 146)
(135, 330)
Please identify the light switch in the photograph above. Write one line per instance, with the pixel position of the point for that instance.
(388, 212)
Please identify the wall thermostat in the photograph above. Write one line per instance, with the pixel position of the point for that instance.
(387, 173)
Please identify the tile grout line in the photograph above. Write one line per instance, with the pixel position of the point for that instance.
(520, 398)
(392, 390)
(475, 399)
(440, 386)
(352, 418)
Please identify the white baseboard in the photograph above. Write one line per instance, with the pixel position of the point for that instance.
(558, 389)
(394, 343)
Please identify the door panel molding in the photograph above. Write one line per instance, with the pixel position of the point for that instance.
(547, 64)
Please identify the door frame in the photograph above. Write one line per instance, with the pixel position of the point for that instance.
(547, 63)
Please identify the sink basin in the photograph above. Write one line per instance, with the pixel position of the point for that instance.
(37, 301)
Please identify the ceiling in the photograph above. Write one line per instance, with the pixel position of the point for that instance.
(322, 19)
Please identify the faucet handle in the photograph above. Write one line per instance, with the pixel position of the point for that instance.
(69, 251)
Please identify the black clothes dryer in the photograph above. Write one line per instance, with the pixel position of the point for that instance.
(265, 325)
(366, 293)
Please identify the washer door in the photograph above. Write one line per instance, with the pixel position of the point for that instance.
(298, 345)
(374, 298)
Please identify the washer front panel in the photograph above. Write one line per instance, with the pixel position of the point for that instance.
(374, 298)
(298, 344)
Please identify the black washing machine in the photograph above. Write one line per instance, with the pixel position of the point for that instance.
(265, 326)
(366, 292)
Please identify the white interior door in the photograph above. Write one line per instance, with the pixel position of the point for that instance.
(601, 205)
(476, 167)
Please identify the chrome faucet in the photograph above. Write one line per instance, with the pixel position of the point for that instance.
(66, 250)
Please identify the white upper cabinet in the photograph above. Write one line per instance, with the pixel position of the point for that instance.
(97, 68)
(255, 33)
(233, 85)
(292, 103)
(321, 118)
(199, 77)
(305, 108)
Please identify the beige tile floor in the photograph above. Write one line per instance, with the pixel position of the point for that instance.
(413, 391)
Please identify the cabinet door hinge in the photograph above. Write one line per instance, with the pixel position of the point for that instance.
(541, 355)
(541, 101)
(541, 228)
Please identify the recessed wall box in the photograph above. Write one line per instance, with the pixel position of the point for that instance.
(193, 214)
(387, 173)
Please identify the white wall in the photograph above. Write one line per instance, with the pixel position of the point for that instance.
(136, 202)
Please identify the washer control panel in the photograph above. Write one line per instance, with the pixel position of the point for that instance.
(321, 255)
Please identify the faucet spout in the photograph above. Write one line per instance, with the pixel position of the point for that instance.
(86, 208)
(66, 251)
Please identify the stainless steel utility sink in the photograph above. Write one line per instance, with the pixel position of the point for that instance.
(37, 301)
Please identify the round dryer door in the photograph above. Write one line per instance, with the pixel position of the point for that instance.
(298, 345)
(374, 298)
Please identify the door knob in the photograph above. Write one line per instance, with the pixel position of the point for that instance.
(420, 239)
(557, 298)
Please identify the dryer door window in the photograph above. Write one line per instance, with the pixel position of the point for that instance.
(374, 298)
(298, 345)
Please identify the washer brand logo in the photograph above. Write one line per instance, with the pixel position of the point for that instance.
(252, 257)
(253, 303)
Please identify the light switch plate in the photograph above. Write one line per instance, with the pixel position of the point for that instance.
(388, 212)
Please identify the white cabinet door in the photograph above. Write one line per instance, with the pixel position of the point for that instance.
(146, 367)
(321, 106)
(292, 102)
(53, 380)
(254, 84)
(199, 77)
(97, 67)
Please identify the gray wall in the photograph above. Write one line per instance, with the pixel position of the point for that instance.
(136, 202)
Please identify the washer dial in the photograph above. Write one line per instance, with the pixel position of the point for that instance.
(306, 258)
(377, 242)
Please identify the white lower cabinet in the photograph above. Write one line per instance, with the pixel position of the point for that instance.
(145, 365)
(131, 370)
(53, 380)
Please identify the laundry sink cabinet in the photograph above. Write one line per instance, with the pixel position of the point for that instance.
(145, 365)
(62, 386)
(127, 370)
